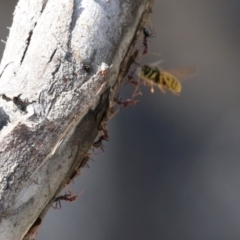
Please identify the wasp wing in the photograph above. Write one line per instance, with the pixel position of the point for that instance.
(183, 73)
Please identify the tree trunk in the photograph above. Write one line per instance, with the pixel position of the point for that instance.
(63, 63)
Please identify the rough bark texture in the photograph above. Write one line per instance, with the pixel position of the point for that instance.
(62, 65)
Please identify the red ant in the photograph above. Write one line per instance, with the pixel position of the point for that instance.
(105, 136)
(147, 34)
(131, 80)
(128, 102)
(98, 143)
(66, 197)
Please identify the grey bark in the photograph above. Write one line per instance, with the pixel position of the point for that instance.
(63, 62)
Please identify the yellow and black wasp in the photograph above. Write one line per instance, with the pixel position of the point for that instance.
(164, 80)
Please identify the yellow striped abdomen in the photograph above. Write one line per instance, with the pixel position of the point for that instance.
(170, 82)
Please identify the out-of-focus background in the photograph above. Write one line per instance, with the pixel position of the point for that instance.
(171, 169)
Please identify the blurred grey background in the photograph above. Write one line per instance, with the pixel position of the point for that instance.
(171, 169)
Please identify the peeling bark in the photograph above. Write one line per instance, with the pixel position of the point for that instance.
(63, 62)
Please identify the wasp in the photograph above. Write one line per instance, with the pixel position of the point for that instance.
(164, 80)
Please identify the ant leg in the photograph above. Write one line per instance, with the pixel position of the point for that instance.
(127, 102)
(132, 80)
(66, 197)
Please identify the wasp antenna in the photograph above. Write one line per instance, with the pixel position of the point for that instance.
(155, 64)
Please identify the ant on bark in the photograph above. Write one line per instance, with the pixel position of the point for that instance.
(131, 101)
(104, 136)
(147, 32)
(128, 102)
(66, 197)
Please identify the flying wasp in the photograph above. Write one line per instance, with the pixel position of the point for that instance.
(164, 80)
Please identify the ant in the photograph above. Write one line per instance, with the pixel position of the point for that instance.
(131, 80)
(128, 102)
(132, 101)
(66, 197)
(147, 34)
(104, 136)
(98, 143)
(132, 60)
